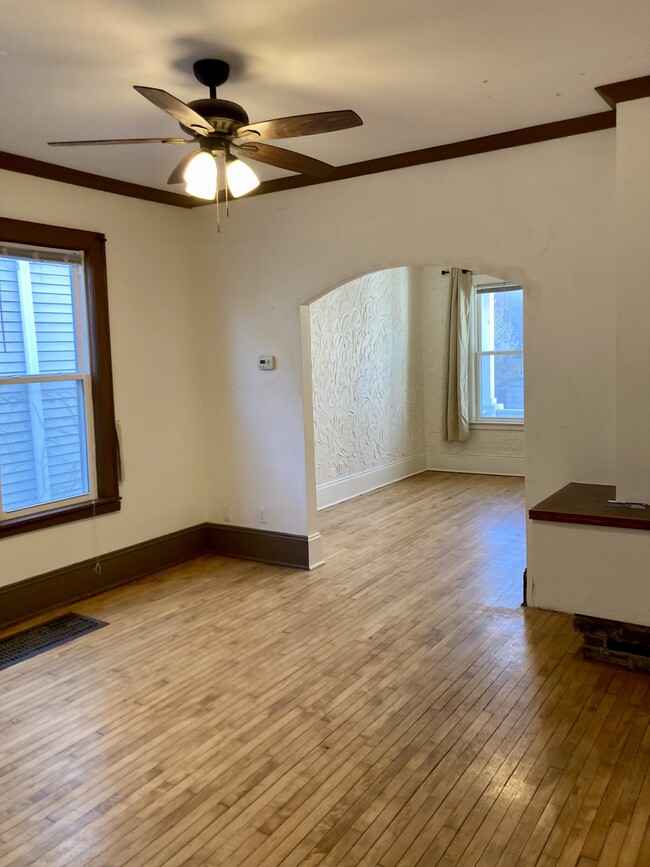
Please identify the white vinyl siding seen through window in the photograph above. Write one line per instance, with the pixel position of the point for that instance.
(59, 457)
(46, 439)
(498, 369)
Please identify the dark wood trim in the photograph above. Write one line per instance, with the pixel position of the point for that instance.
(587, 504)
(471, 147)
(106, 459)
(42, 234)
(282, 549)
(53, 172)
(62, 586)
(56, 517)
(101, 369)
(524, 601)
(624, 91)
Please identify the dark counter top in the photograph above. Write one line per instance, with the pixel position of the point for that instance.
(578, 503)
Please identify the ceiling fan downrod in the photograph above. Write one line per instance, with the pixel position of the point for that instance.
(211, 73)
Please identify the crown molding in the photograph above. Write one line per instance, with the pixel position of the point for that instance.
(624, 91)
(53, 172)
(470, 147)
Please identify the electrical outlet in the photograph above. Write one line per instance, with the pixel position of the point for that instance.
(227, 514)
(261, 515)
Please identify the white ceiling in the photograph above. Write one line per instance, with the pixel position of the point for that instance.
(419, 72)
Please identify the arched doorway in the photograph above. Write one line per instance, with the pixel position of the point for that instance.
(374, 365)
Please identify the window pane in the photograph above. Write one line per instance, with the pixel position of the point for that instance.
(501, 387)
(37, 317)
(12, 352)
(54, 316)
(43, 449)
(501, 321)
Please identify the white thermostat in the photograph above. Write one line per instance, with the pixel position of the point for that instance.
(266, 362)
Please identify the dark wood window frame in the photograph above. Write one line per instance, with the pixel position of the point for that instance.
(106, 448)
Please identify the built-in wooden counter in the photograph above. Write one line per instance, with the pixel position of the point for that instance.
(609, 641)
(577, 503)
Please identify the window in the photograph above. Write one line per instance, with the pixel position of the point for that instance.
(58, 449)
(498, 330)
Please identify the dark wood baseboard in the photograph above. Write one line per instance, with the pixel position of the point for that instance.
(41, 593)
(281, 549)
(71, 583)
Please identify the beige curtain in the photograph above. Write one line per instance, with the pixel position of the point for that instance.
(458, 356)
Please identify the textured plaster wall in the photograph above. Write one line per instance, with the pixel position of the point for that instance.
(379, 372)
(366, 342)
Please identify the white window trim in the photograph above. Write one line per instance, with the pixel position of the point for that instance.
(477, 421)
(511, 424)
(34, 376)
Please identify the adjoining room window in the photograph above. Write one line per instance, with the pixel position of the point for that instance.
(498, 330)
(58, 451)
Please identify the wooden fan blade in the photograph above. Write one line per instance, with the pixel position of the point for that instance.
(177, 109)
(112, 141)
(282, 159)
(177, 176)
(301, 124)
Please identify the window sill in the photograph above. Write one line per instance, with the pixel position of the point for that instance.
(55, 517)
(506, 425)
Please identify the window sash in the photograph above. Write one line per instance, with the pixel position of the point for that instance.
(479, 354)
(495, 288)
(24, 256)
(89, 440)
(500, 352)
(34, 253)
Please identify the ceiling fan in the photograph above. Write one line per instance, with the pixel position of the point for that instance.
(222, 130)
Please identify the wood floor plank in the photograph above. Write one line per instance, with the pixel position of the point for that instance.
(396, 707)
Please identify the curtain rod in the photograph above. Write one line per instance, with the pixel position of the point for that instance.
(464, 270)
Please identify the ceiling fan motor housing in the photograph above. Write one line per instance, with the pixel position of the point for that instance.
(225, 116)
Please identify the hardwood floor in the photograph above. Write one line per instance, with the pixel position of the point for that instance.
(394, 707)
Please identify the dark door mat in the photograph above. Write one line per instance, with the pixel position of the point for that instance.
(38, 639)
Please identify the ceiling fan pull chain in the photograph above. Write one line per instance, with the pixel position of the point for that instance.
(226, 188)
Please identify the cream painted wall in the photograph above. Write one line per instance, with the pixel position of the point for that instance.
(599, 571)
(155, 368)
(551, 232)
(367, 389)
(633, 300)
(498, 450)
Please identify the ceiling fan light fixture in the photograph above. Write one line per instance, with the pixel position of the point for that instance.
(201, 176)
(221, 129)
(241, 178)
